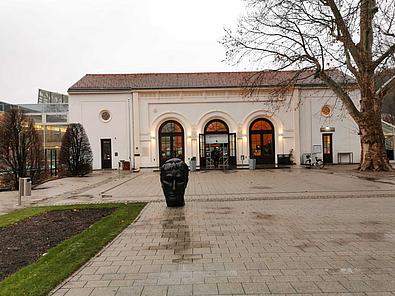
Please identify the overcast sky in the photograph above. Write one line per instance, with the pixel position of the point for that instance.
(50, 44)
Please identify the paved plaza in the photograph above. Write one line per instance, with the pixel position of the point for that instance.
(299, 183)
(280, 231)
(340, 246)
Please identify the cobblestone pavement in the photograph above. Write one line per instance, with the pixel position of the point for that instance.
(339, 246)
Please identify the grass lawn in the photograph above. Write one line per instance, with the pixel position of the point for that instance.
(61, 261)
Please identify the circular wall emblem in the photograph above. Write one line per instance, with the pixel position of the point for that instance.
(326, 111)
(105, 115)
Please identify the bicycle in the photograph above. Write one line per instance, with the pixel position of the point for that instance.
(318, 163)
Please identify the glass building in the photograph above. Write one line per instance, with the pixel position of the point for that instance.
(50, 117)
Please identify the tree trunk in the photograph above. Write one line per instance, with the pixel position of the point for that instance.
(373, 154)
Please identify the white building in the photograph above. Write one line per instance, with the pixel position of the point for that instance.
(148, 118)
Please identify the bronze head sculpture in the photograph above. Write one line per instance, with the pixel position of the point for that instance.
(174, 179)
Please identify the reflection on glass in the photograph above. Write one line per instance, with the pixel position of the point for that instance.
(56, 118)
(256, 144)
(171, 139)
(54, 135)
(327, 144)
(267, 144)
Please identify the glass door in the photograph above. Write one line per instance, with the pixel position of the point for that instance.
(327, 148)
(106, 162)
(171, 141)
(262, 141)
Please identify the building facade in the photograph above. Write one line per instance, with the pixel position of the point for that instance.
(149, 118)
(50, 116)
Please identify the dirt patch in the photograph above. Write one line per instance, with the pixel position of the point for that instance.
(23, 243)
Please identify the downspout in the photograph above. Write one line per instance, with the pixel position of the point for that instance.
(129, 138)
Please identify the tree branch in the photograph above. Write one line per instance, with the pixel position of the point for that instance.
(345, 37)
(390, 83)
(385, 55)
(338, 90)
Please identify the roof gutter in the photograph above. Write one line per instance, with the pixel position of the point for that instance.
(117, 90)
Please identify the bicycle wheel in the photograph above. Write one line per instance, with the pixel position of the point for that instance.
(319, 164)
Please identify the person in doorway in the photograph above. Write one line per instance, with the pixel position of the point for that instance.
(215, 157)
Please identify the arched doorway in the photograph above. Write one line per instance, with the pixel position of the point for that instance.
(171, 141)
(262, 141)
(217, 147)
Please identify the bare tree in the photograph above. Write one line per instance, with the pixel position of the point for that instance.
(20, 146)
(355, 37)
(75, 154)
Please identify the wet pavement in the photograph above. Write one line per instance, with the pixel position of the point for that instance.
(265, 184)
(281, 247)
(298, 183)
(279, 231)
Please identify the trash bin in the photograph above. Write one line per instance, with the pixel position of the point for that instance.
(25, 186)
(283, 159)
(252, 163)
(28, 187)
(126, 165)
(192, 164)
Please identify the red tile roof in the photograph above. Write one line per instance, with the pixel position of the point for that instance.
(148, 81)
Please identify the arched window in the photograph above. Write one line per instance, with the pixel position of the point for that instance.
(216, 126)
(261, 125)
(171, 141)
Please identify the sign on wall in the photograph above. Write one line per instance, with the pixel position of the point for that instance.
(217, 139)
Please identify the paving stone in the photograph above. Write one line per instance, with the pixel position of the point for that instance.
(230, 288)
(60, 292)
(179, 290)
(107, 269)
(331, 287)
(204, 289)
(255, 288)
(79, 292)
(121, 283)
(305, 287)
(278, 287)
(95, 284)
(129, 291)
(75, 284)
(215, 279)
(109, 291)
(154, 291)
(150, 268)
(356, 286)
(113, 276)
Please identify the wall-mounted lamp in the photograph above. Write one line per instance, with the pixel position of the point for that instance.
(153, 135)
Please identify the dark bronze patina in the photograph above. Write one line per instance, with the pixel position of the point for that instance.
(174, 179)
